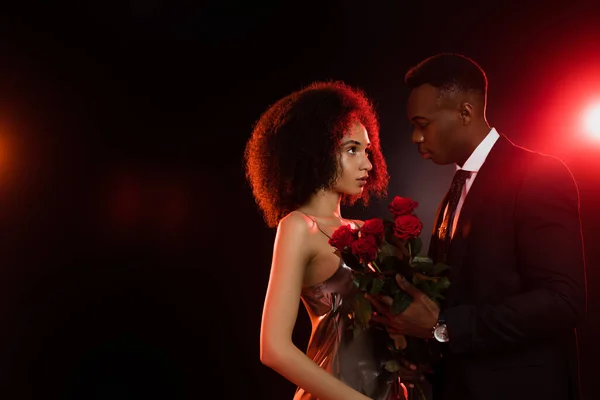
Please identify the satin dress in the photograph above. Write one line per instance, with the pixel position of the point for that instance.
(357, 361)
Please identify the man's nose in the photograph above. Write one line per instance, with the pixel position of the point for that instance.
(417, 137)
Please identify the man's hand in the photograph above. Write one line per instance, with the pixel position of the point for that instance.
(409, 373)
(417, 320)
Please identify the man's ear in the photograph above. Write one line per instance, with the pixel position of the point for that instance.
(466, 113)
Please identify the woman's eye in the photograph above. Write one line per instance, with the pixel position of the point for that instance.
(352, 150)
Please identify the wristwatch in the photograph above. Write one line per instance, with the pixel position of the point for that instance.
(440, 330)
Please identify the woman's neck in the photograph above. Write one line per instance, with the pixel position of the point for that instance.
(323, 204)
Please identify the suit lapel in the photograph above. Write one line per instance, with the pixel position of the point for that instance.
(475, 200)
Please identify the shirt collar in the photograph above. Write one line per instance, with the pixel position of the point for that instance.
(477, 158)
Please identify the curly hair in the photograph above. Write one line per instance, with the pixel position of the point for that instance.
(449, 73)
(293, 150)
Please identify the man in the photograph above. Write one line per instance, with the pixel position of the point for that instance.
(510, 230)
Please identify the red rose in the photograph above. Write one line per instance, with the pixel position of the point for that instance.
(407, 227)
(365, 248)
(402, 206)
(373, 227)
(343, 237)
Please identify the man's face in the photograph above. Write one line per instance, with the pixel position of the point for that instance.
(436, 125)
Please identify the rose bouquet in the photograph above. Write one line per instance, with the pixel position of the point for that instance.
(377, 252)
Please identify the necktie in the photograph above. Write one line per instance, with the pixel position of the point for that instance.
(445, 221)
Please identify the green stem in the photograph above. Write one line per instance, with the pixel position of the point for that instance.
(421, 393)
(375, 265)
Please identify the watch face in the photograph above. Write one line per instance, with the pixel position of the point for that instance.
(441, 333)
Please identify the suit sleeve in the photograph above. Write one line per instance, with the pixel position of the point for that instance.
(549, 250)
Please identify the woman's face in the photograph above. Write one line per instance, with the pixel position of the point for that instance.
(354, 161)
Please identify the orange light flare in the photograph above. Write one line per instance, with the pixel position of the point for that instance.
(2, 153)
(6, 150)
(591, 120)
(570, 122)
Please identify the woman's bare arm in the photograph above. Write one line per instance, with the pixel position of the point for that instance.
(291, 253)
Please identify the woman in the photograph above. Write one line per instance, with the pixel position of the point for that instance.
(311, 152)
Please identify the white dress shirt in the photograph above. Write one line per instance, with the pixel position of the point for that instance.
(473, 164)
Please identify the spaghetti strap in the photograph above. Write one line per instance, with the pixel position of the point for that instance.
(313, 220)
(356, 223)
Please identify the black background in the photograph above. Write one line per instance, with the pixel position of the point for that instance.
(133, 260)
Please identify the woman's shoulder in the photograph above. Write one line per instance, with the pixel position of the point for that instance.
(297, 222)
(300, 223)
(298, 230)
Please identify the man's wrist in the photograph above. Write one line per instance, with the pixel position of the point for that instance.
(440, 330)
(435, 325)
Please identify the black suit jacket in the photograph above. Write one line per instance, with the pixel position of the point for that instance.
(517, 283)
